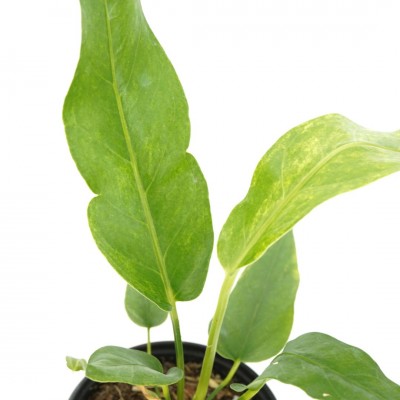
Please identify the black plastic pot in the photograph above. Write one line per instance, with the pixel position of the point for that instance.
(193, 352)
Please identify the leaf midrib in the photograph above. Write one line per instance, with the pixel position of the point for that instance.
(286, 200)
(135, 169)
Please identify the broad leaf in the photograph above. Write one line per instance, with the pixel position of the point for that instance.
(142, 311)
(308, 165)
(117, 364)
(127, 125)
(259, 316)
(326, 368)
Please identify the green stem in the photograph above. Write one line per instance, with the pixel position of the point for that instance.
(180, 361)
(249, 394)
(213, 336)
(165, 390)
(227, 379)
(148, 341)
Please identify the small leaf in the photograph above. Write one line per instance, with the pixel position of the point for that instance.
(238, 387)
(142, 311)
(76, 364)
(117, 364)
(308, 165)
(326, 368)
(259, 316)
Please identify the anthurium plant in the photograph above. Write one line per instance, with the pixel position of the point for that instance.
(127, 125)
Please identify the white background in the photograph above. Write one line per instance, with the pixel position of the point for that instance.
(251, 71)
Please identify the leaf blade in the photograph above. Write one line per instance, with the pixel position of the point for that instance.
(308, 165)
(262, 299)
(117, 364)
(141, 310)
(128, 129)
(326, 368)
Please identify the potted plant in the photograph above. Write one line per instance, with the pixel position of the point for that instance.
(127, 126)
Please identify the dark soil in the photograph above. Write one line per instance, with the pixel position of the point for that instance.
(123, 391)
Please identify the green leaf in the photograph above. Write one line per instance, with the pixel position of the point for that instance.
(141, 310)
(308, 165)
(259, 316)
(326, 368)
(238, 387)
(127, 126)
(76, 364)
(117, 364)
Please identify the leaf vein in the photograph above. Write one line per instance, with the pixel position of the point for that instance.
(136, 173)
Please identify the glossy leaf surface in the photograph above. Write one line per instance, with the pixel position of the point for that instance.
(127, 125)
(142, 311)
(259, 316)
(326, 368)
(308, 165)
(117, 364)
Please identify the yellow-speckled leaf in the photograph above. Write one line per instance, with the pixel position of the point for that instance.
(127, 125)
(308, 165)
